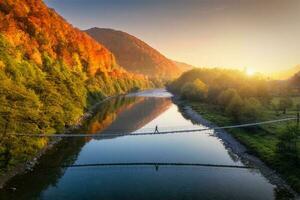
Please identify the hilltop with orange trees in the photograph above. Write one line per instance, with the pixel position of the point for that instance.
(31, 26)
(135, 55)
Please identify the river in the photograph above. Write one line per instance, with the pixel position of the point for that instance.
(141, 112)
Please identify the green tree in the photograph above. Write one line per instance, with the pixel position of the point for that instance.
(235, 107)
(201, 89)
(274, 106)
(285, 103)
(252, 109)
(196, 90)
(225, 97)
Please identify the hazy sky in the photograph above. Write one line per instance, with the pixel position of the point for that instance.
(260, 34)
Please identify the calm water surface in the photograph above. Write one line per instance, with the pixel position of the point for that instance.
(138, 113)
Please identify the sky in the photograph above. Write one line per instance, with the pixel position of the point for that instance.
(262, 35)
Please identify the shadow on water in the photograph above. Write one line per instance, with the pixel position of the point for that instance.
(120, 113)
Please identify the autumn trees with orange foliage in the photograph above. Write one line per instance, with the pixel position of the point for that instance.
(50, 74)
(34, 28)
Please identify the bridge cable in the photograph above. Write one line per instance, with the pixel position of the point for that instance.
(105, 135)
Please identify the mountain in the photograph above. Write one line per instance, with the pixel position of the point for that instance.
(50, 74)
(183, 66)
(135, 55)
(38, 30)
(286, 74)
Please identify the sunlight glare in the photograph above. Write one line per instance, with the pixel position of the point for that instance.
(250, 72)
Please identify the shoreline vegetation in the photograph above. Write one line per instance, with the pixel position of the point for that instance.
(226, 97)
(236, 146)
(29, 164)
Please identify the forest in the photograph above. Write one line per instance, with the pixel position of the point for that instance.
(228, 97)
(47, 98)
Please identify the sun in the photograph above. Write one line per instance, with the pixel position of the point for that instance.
(250, 72)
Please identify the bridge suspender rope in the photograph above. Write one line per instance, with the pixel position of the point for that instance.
(156, 132)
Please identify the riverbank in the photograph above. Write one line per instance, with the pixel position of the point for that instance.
(30, 164)
(232, 144)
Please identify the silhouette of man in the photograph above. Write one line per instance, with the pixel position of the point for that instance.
(156, 130)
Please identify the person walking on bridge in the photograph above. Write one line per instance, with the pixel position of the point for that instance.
(156, 129)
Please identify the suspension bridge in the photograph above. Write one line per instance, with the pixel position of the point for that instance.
(157, 164)
(156, 131)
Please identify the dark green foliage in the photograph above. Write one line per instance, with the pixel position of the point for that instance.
(287, 146)
(285, 103)
(251, 110)
(235, 98)
(261, 141)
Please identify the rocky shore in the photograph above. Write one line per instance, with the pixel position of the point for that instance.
(236, 147)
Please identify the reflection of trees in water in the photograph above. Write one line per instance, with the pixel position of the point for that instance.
(129, 112)
(140, 114)
(45, 174)
(131, 116)
(106, 113)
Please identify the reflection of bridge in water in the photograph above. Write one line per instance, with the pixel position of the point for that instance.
(158, 164)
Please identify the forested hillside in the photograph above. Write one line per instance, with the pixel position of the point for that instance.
(50, 74)
(135, 55)
(229, 97)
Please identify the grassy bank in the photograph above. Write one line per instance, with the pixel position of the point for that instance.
(261, 141)
(228, 97)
